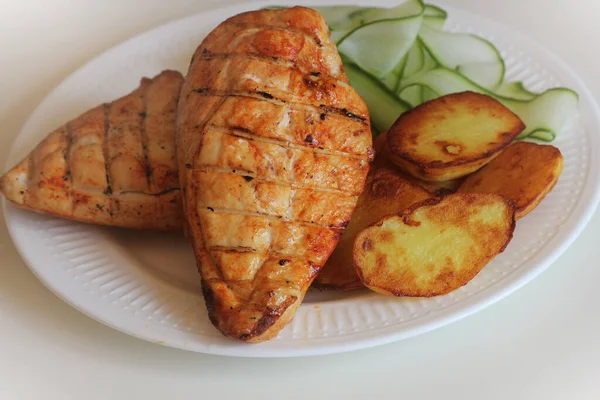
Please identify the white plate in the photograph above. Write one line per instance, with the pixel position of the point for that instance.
(146, 284)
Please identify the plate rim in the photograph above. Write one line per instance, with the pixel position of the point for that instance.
(453, 313)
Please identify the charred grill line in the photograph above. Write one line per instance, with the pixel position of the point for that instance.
(162, 193)
(280, 182)
(246, 134)
(68, 174)
(145, 140)
(29, 185)
(269, 216)
(275, 100)
(259, 57)
(108, 191)
(194, 201)
(282, 256)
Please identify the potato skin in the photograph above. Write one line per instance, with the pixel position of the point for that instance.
(451, 136)
(433, 247)
(382, 159)
(524, 172)
(387, 192)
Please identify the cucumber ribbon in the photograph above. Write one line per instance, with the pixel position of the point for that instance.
(400, 57)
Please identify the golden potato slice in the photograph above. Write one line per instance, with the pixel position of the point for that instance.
(386, 193)
(451, 136)
(382, 159)
(524, 172)
(434, 247)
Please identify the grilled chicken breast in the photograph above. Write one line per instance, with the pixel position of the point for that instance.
(113, 165)
(273, 150)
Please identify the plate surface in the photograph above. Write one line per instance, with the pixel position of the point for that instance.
(145, 284)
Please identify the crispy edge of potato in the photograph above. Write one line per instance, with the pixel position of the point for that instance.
(387, 192)
(406, 217)
(380, 143)
(436, 188)
(436, 170)
(517, 178)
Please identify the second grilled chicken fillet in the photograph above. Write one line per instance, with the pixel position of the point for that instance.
(113, 165)
(273, 150)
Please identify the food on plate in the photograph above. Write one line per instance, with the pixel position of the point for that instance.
(438, 188)
(382, 160)
(387, 192)
(434, 247)
(273, 151)
(451, 136)
(270, 145)
(113, 165)
(400, 57)
(524, 172)
(380, 145)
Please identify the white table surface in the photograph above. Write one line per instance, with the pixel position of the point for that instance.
(543, 342)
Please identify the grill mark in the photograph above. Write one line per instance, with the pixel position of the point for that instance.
(323, 108)
(266, 216)
(166, 191)
(231, 249)
(281, 62)
(29, 185)
(105, 152)
(68, 172)
(278, 61)
(279, 182)
(246, 250)
(144, 138)
(194, 202)
(290, 210)
(292, 284)
(246, 134)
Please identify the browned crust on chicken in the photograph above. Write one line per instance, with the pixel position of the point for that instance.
(113, 165)
(273, 148)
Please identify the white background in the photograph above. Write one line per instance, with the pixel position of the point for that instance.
(543, 342)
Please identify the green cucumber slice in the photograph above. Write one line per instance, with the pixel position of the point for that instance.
(466, 53)
(515, 90)
(428, 93)
(392, 79)
(384, 106)
(412, 95)
(415, 60)
(551, 111)
(383, 37)
(434, 17)
(343, 20)
(429, 62)
(548, 114)
(483, 73)
(544, 136)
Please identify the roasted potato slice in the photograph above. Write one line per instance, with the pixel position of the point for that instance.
(434, 247)
(387, 192)
(524, 172)
(451, 136)
(382, 159)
